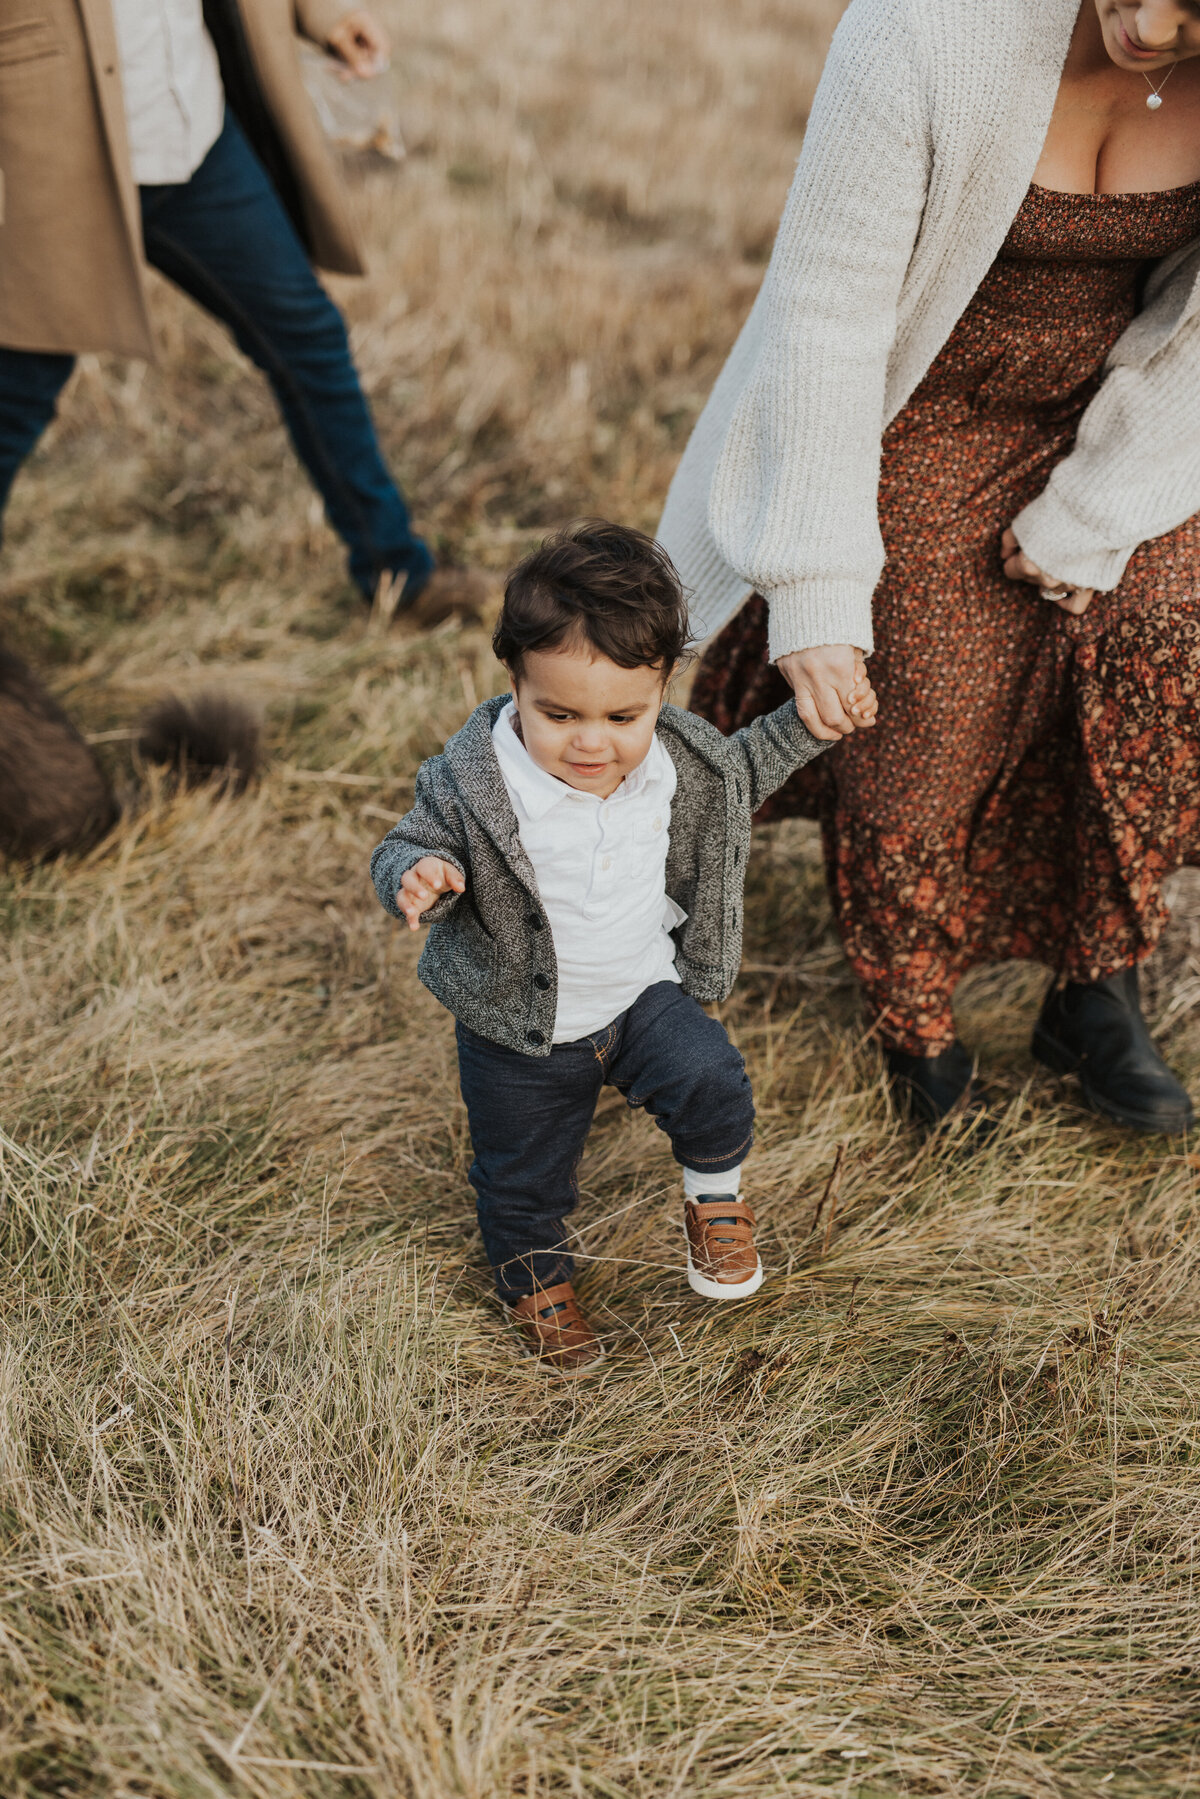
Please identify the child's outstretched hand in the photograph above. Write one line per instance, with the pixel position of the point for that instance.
(423, 885)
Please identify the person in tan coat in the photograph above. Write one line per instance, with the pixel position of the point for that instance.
(178, 133)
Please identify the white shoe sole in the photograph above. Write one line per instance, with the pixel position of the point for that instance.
(548, 1366)
(700, 1283)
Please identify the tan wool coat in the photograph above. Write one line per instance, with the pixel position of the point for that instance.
(71, 267)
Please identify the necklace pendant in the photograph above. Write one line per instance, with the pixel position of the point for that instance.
(1153, 101)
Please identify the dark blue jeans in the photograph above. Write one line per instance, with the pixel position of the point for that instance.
(225, 239)
(530, 1116)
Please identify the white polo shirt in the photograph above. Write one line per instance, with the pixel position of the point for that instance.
(601, 869)
(174, 100)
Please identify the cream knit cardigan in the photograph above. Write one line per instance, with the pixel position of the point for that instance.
(924, 135)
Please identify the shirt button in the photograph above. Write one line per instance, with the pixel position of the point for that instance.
(658, 824)
(607, 862)
(542, 981)
(534, 1037)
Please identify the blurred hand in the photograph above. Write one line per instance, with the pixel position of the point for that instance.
(833, 694)
(1020, 567)
(422, 885)
(361, 42)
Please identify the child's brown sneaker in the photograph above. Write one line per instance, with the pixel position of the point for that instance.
(722, 1260)
(556, 1331)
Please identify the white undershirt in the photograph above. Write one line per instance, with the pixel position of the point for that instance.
(601, 872)
(174, 100)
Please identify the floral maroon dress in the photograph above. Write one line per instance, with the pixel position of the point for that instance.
(1033, 777)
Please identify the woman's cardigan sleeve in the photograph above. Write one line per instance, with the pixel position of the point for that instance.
(1134, 471)
(793, 504)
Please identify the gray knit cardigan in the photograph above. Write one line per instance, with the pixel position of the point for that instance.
(489, 956)
(924, 136)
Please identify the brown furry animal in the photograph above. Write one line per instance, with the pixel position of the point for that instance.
(54, 796)
(208, 737)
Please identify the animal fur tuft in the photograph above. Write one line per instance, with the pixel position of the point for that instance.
(54, 796)
(207, 737)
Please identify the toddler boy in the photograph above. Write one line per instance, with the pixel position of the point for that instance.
(579, 853)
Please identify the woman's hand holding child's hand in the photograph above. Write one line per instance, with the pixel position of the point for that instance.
(423, 885)
(833, 691)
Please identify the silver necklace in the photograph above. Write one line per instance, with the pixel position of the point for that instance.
(1154, 97)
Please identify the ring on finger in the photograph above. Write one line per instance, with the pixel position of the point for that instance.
(1055, 593)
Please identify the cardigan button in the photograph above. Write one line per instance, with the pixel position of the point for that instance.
(542, 981)
(534, 922)
(535, 1037)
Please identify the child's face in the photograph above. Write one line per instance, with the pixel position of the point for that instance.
(584, 719)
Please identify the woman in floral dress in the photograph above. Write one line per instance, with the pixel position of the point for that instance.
(1033, 615)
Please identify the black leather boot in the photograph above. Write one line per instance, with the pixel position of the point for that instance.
(930, 1088)
(1096, 1030)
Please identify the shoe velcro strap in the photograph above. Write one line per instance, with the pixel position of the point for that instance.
(722, 1207)
(550, 1308)
(728, 1236)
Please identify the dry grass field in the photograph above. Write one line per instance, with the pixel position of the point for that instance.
(282, 1510)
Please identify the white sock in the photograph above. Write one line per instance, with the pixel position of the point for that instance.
(704, 1186)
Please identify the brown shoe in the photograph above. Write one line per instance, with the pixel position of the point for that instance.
(556, 1331)
(451, 593)
(447, 593)
(722, 1260)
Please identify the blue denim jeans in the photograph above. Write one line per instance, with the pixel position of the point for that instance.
(530, 1116)
(225, 239)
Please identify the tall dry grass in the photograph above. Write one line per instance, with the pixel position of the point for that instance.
(283, 1511)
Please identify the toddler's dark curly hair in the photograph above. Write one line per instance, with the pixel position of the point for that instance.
(600, 584)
